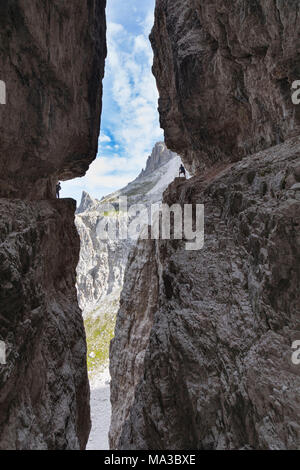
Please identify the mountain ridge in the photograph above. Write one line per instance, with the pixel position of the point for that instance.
(95, 279)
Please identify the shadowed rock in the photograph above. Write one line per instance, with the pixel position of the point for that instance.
(202, 353)
(52, 61)
(224, 71)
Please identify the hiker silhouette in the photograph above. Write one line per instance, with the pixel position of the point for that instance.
(58, 188)
(182, 171)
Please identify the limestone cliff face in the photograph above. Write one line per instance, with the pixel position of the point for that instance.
(102, 263)
(160, 155)
(202, 355)
(224, 72)
(52, 60)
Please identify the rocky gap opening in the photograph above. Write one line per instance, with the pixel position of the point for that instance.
(152, 167)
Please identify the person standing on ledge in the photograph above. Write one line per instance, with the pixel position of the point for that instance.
(58, 188)
(182, 171)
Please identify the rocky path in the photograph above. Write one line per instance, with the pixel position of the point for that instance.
(100, 412)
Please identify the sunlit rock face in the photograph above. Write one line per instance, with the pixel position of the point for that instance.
(102, 263)
(52, 61)
(224, 71)
(160, 155)
(202, 355)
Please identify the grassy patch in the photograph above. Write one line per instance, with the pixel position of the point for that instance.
(99, 333)
(114, 213)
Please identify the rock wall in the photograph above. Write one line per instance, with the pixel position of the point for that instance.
(224, 72)
(52, 61)
(205, 363)
(139, 300)
(44, 392)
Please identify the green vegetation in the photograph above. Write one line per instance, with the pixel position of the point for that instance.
(111, 213)
(100, 327)
(99, 333)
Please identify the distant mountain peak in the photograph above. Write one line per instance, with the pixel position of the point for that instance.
(157, 172)
(102, 264)
(159, 156)
(87, 203)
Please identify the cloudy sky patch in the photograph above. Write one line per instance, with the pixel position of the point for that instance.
(130, 125)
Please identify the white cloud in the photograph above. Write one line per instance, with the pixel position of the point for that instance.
(148, 21)
(103, 177)
(130, 123)
(104, 138)
(135, 124)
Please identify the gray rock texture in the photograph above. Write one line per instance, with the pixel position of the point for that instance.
(160, 155)
(52, 61)
(202, 353)
(202, 356)
(224, 71)
(44, 391)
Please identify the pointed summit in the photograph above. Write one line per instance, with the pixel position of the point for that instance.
(159, 156)
(87, 203)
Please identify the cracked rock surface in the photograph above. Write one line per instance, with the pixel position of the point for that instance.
(224, 70)
(52, 62)
(202, 357)
(202, 353)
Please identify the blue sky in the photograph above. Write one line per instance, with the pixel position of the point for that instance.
(130, 123)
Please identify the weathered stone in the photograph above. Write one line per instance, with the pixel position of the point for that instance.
(205, 362)
(52, 61)
(44, 392)
(224, 71)
(216, 368)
